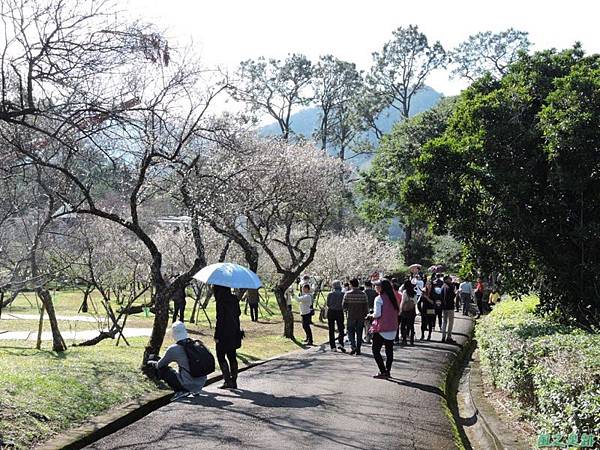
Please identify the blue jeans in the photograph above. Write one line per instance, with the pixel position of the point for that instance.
(355, 331)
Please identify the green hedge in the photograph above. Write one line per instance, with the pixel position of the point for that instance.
(552, 371)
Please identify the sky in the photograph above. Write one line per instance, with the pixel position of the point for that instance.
(225, 32)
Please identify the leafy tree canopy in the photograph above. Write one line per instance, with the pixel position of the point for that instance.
(516, 177)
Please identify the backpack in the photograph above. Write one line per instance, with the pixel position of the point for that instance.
(200, 359)
(408, 303)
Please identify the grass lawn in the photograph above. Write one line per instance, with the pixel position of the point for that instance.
(42, 392)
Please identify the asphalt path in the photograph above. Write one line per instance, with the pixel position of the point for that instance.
(313, 399)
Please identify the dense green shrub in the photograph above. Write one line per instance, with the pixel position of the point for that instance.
(553, 372)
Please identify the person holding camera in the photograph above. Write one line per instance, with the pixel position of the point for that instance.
(305, 301)
(181, 381)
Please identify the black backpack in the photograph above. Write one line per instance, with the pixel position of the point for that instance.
(200, 359)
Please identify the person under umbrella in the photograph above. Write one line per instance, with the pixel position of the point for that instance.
(228, 336)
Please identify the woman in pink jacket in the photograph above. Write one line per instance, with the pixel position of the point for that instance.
(385, 326)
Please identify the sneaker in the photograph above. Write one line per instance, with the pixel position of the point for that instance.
(380, 376)
(342, 349)
(226, 386)
(357, 352)
(179, 394)
(353, 352)
(333, 349)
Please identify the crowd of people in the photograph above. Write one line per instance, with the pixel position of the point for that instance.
(380, 312)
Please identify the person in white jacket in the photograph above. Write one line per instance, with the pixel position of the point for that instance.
(305, 301)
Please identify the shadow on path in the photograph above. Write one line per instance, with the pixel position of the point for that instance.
(272, 401)
(422, 387)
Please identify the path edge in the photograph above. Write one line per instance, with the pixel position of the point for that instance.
(450, 386)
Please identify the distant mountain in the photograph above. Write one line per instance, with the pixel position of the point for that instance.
(306, 122)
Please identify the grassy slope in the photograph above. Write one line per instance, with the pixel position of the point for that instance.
(42, 393)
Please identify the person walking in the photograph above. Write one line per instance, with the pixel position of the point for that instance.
(253, 300)
(408, 312)
(335, 315)
(228, 336)
(181, 381)
(396, 287)
(448, 296)
(305, 301)
(178, 302)
(384, 327)
(437, 299)
(371, 295)
(479, 290)
(465, 289)
(426, 307)
(356, 306)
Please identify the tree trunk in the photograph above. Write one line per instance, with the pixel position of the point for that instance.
(408, 253)
(7, 302)
(161, 320)
(288, 317)
(38, 344)
(58, 344)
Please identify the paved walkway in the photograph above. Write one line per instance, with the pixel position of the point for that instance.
(312, 399)
(76, 335)
(11, 316)
(69, 335)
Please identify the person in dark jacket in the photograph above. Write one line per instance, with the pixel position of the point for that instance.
(228, 336)
(335, 315)
(253, 300)
(356, 305)
(448, 296)
(439, 283)
(371, 295)
(178, 302)
(426, 308)
(408, 312)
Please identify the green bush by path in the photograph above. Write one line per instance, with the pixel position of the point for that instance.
(551, 371)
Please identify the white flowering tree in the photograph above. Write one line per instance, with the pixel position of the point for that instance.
(353, 253)
(105, 110)
(282, 197)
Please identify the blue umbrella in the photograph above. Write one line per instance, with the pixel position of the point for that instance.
(230, 275)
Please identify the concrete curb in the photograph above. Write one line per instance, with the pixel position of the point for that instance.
(482, 425)
(450, 386)
(121, 416)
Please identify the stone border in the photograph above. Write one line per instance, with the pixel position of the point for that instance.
(119, 417)
(482, 425)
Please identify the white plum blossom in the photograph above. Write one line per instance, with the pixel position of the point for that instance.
(353, 253)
